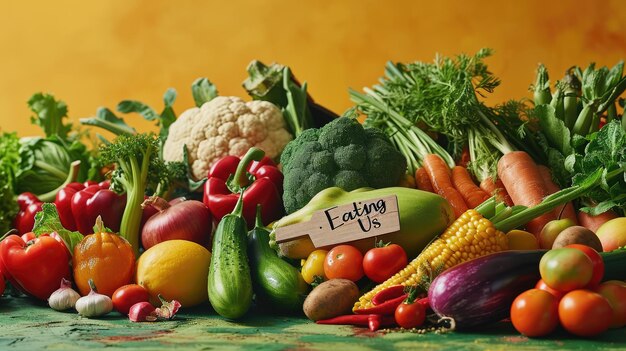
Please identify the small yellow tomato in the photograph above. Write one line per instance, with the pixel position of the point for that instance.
(522, 240)
(314, 266)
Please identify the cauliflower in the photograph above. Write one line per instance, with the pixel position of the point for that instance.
(225, 126)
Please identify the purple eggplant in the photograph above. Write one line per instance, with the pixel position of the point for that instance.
(481, 291)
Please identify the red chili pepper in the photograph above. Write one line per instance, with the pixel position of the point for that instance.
(94, 201)
(29, 205)
(387, 294)
(386, 308)
(348, 319)
(375, 321)
(261, 180)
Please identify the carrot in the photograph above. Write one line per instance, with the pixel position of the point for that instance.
(439, 175)
(471, 193)
(465, 158)
(551, 187)
(422, 181)
(496, 188)
(523, 181)
(594, 222)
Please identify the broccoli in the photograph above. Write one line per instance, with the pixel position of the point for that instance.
(138, 167)
(341, 153)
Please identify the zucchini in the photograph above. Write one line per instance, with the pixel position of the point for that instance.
(481, 291)
(276, 283)
(230, 283)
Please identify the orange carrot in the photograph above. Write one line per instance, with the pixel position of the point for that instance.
(439, 175)
(496, 188)
(471, 193)
(465, 158)
(422, 181)
(551, 187)
(594, 222)
(523, 181)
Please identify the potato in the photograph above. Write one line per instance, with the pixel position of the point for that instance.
(577, 235)
(330, 299)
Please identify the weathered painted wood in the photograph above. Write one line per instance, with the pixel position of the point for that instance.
(25, 325)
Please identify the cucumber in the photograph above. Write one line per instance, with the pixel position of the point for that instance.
(230, 283)
(277, 284)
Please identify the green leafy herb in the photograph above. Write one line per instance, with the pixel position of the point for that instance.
(49, 115)
(47, 221)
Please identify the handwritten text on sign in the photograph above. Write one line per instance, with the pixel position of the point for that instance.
(340, 224)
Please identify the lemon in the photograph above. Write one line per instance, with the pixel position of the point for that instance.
(177, 270)
(522, 240)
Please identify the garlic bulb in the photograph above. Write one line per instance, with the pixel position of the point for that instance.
(64, 297)
(94, 304)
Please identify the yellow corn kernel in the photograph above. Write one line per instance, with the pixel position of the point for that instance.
(469, 237)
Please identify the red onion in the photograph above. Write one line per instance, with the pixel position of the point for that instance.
(186, 220)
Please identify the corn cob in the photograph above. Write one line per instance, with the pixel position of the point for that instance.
(469, 237)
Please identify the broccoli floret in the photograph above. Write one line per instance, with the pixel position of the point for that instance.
(349, 180)
(343, 154)
(385, 166)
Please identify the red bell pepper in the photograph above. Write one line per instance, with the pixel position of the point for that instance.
(38, 266)
(63, 201)
(29, 205)
(260, 180)
(97, 200)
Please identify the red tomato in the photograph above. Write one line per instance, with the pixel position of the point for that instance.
(535, 313)
(381, 263)
(36, 267)
(344, 261)
(615, 292)
(410, 315)
(541, 285)
(566, 269)
(126, 296)
(585, 313)
(596, 260)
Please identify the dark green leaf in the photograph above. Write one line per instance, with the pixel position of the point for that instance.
(554, 129)
(107, 120)
(169, 97)
(203, 91)
(129, 106)
(48, 221)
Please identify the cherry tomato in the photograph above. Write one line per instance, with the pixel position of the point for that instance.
(314, 266)
(596, 261)
(344, 261)
(380, 263)
(126, 296)
(585, 313)
(541, 285)
(410, 315)
(535, 313)
(566, 269)
(615, 292)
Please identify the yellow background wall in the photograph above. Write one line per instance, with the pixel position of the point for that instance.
(96, 53)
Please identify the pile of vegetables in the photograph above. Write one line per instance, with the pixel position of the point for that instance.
(514, 210)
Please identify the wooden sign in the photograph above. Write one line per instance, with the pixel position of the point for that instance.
(340, 224)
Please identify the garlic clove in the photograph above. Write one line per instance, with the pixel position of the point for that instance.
(64, 297)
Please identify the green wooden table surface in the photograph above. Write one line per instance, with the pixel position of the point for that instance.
(26, 325)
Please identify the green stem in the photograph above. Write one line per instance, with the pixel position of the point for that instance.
(71, 177)
(258, 223)
(238, 210)
(583, 122)
(551, 202)
(542, 87)
(240, 180)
